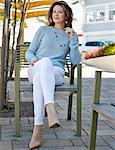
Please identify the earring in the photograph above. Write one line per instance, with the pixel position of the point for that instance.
(65, 22)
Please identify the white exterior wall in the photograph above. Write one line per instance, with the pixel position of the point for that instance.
(99, 36)
(99, 30)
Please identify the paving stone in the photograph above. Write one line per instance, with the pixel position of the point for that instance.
(99, 140)
(56, 143)
(51, 148)
(31, 120)
(26, 136)
(109, 140)
(20, 149)
(4, 121)
(24, 120)
(7, 127)
(50, 131)
(75, 148)
(63, 148)
(65, 134)
(12, 120)
(49, 136)
(5, 145)
(110, 124)
(113, 136)
(7, 135)
(64, 127)
(77, 142)
(104, 132)
(20, 144)
(103, 148)
(103, 127)
(26, 127)
(63, 138)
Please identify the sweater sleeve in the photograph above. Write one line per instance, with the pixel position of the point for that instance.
(30, 53)
(75, 55)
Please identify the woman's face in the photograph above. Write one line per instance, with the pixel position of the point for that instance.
(58, 15)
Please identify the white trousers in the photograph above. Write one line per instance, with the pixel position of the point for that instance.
(44, 77)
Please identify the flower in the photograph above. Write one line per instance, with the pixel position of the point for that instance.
(98, 52)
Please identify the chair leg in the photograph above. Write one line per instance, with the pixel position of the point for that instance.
(79, 116)
(93, 130)
(17, 100)
(46, 113)
(94, 121)
(70, 106)
(79, 100)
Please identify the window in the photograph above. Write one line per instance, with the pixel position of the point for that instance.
(89, 15)
(100, 13)
(95, 14)
(112, 12)
(95, 43)
(91, 44)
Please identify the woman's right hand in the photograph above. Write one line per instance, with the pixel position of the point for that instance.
(33, 61)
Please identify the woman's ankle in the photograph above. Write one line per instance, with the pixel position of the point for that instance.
(38, 127)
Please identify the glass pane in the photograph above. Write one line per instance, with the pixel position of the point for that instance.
(112, 12)
(95, 14)
(112, 15)
(100, 13)
(89, 15)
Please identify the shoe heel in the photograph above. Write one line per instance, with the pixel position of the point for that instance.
(52, 116)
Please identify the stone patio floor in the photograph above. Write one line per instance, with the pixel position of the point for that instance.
(64, 137)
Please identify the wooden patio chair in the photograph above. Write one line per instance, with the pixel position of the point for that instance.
(20, 62)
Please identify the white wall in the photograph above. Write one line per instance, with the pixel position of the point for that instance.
(100, 37)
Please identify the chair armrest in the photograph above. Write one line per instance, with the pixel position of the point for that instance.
(74, 66)
(72, 73)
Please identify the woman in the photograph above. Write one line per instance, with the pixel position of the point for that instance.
(47, 54)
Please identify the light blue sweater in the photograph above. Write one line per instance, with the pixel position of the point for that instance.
(55, 44)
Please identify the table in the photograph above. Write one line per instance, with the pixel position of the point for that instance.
(106, 63)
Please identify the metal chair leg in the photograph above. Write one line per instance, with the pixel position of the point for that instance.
(70, 106)
(94, 120)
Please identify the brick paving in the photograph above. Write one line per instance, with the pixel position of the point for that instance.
(64, 137)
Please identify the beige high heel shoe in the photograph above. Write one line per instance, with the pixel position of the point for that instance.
(52, 116)
(37, 137)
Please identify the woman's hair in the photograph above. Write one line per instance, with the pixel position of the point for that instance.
(68, 12)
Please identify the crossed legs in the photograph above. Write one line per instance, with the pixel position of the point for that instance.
(44, 77)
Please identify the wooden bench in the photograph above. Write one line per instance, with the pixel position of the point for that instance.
(105, 109)
(21, 62)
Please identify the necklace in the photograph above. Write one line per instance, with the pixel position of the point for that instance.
(58, 37)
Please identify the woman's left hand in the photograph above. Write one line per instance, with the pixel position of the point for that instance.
(69, 31)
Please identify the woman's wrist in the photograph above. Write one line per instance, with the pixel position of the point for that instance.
(71, 35)
(34, 60)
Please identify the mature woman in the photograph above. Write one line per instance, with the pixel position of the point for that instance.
(47, 54)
